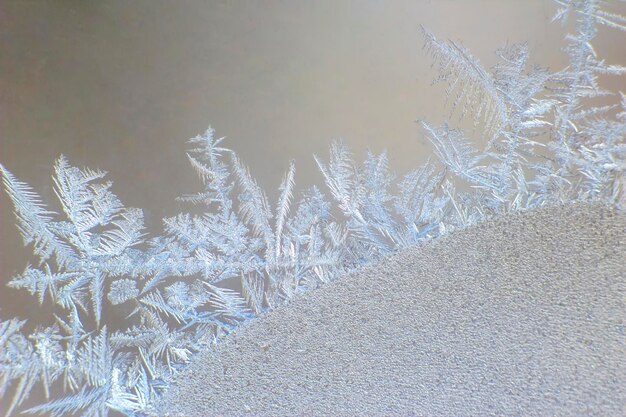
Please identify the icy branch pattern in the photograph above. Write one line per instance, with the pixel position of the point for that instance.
(546, 145)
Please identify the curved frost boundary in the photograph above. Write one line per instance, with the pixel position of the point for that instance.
(523, 315)
(204, 274)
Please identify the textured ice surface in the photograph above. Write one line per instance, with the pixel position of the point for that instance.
(524, 315)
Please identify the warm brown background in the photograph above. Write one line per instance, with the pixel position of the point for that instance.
(120, 85)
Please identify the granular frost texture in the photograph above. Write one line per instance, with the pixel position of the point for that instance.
(523, 315)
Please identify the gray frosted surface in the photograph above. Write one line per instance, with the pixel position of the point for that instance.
(524, 315)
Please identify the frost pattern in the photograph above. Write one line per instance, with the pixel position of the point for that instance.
(547, 144)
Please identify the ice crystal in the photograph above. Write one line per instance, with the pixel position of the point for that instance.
(180, 289)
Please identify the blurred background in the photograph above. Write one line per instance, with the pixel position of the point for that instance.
(121, 86)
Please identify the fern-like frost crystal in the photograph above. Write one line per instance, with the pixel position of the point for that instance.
(239, 255)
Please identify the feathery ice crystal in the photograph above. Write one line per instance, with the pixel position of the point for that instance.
(547, 144)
